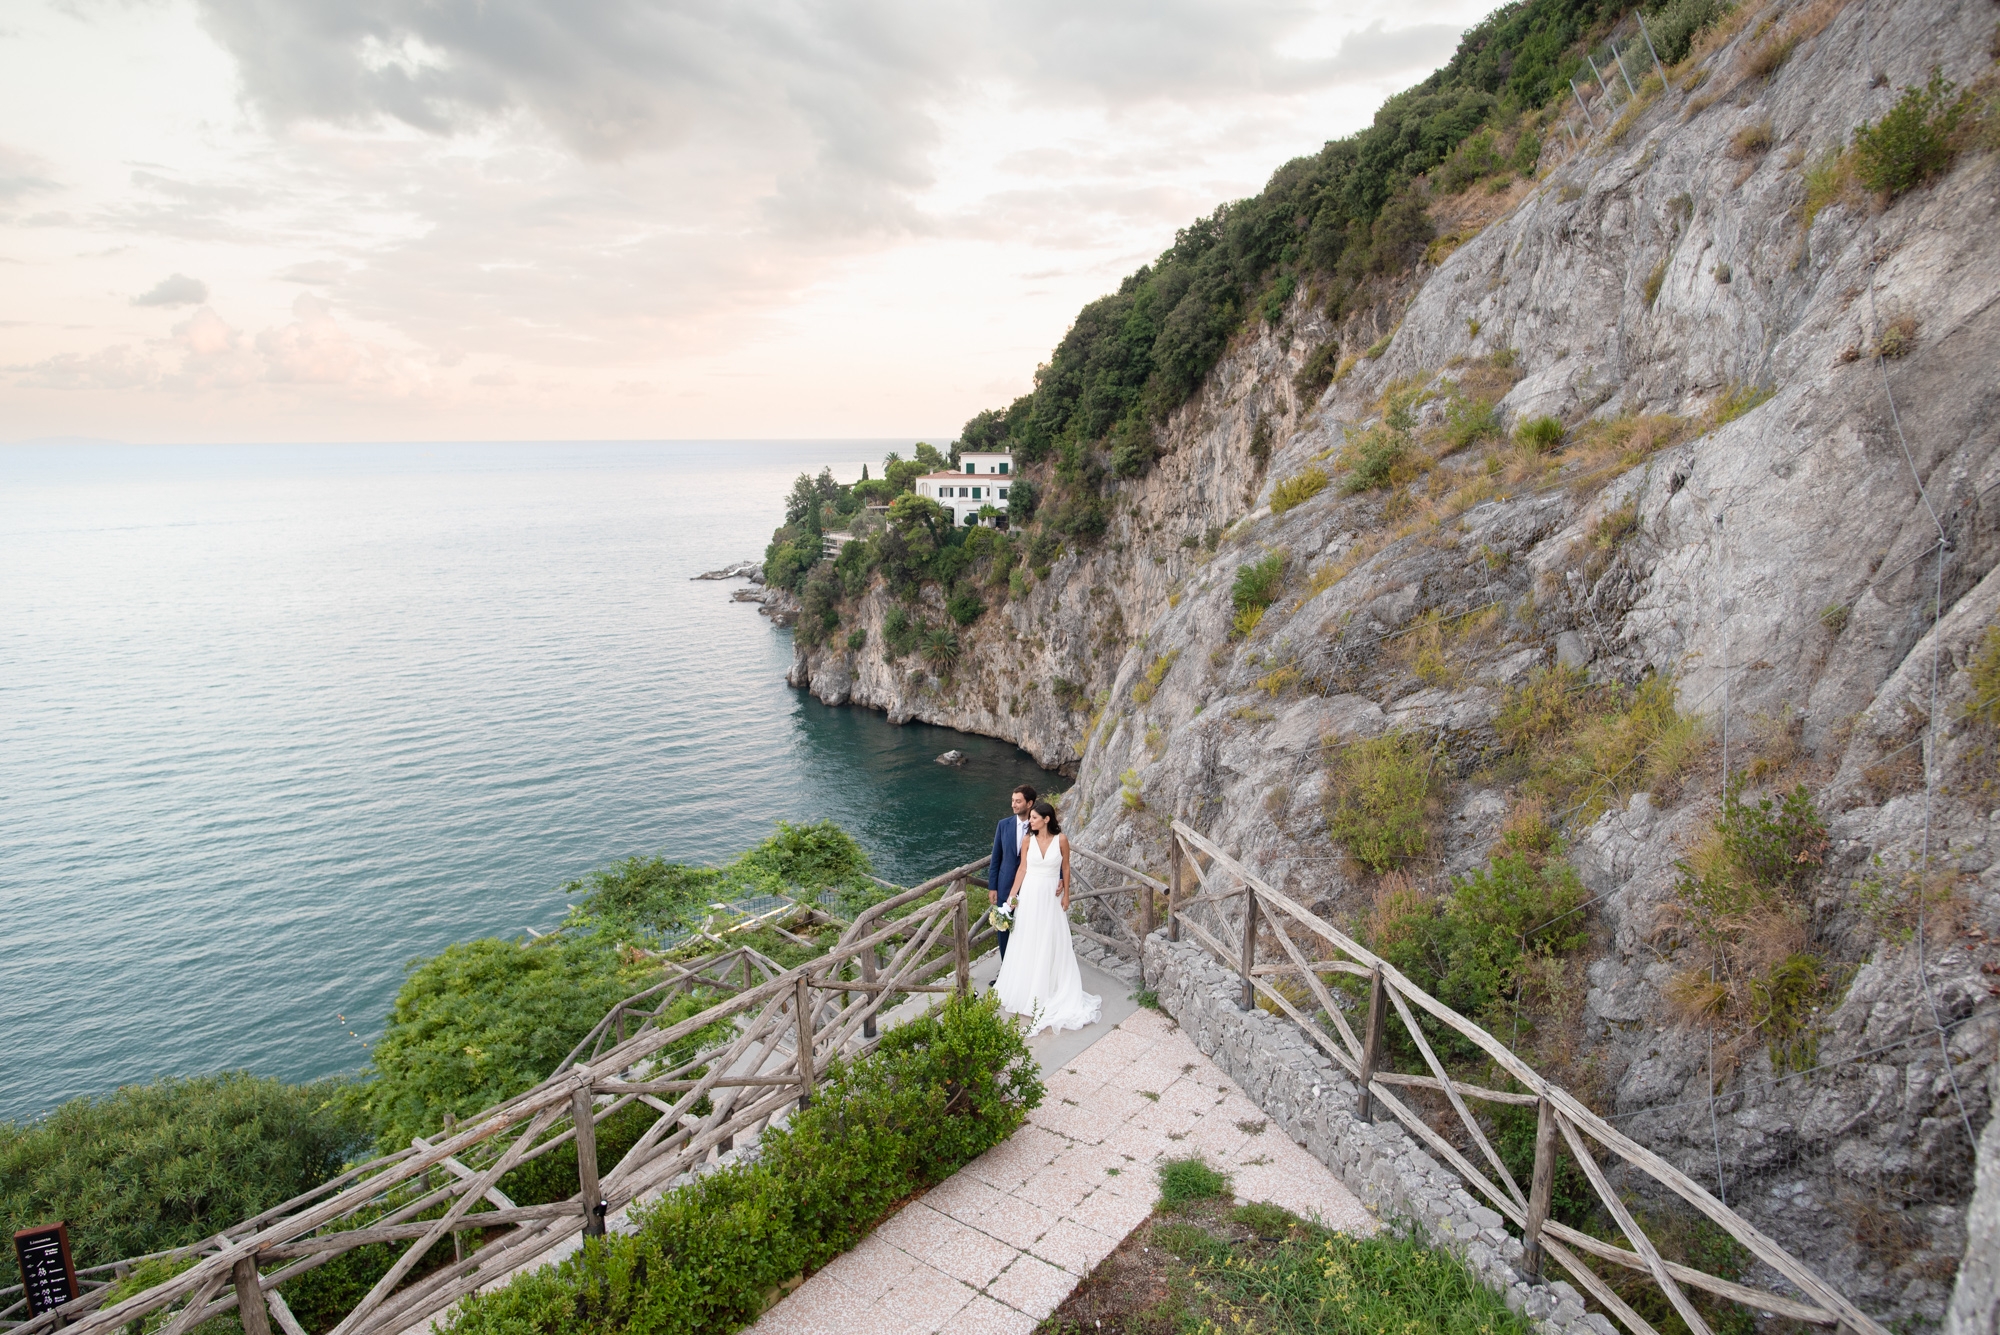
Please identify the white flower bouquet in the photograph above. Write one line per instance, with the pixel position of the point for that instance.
(1001, 915)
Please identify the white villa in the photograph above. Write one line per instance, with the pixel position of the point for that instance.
(981, 479)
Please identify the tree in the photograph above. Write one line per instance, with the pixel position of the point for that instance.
(910, 512)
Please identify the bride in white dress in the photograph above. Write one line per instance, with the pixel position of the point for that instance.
(1038, 976)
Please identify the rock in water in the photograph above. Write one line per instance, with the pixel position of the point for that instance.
(952, 758)
(741, 570)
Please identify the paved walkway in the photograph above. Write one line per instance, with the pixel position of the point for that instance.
(999, 1245)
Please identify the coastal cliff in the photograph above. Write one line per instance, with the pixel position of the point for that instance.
(1689, 409)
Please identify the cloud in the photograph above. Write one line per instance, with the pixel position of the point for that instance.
(23, 174)
(174, 290)
(1381, 53)
(205, 352)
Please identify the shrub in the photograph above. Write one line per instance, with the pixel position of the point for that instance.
(1260, 440)
(1379, 346)
(1898, 338)
(1022, 497)
(1132, 448)
(1468, 421)
(965, 606)
(857, 639)
(1372, 459)
(1317, 373)
(1149, 682)
(939, 1091)
(1296, 490)
(171, 1163)
(1984, 674)
(1189, 1179)
(1255, 588)
(1750, 141)
(1827, 180)
(1675, 25)
(484, 1020)
(1655, 281)
(1912, 143)
(1381, 800)
(1735, 401)
(1539, 434)
(900, 634)
(1591, 745)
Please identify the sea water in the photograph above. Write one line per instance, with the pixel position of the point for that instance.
(275, 720)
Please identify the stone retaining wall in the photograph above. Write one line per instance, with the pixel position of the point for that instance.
(1312, 1099)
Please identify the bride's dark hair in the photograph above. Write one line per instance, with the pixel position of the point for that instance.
(1048, 813)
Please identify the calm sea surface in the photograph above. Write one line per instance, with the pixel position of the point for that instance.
(275, 720)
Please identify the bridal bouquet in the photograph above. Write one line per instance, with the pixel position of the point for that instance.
(1002, 916)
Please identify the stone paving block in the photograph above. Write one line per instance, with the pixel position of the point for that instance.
(825, 1309)
(1032, 1286)
(1074, 1247)
(868, 1271)
(1149, 1024)
(983, 1316)
(1056, 1189)
(963, 1197)
(1024, 1153)
(963, 1253)
(922, 1302)
(1015, 1222)
(908, 1227)
(1114, 1214)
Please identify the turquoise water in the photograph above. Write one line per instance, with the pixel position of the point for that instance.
(276, 720)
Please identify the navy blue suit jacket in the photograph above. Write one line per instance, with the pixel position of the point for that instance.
(1006, 857)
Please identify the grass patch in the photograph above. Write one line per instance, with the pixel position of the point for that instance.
(1382, 799)
(1734, 402)
(1583, 746)
(1296, 490)
(1255, 588)
(1148, 684)
(1539, 434)
(1189, 1179)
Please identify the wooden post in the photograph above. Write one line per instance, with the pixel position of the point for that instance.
(1174, 856)
(961, 940)
(1249, 956)
(1540, 1189)
(250, 1308)
(802, 1003)
(1145, 911)
(867, 958)
(581, 1114)
(457, 1238)
(1371, 1044)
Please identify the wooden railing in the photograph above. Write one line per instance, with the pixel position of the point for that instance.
(783, 1026)
(1241, 910)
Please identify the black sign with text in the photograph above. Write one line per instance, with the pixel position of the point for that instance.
(46, 1270)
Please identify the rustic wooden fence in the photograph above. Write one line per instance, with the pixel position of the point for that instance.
(1242, 912)
(780, 1027)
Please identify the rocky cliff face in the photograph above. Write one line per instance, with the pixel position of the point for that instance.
(1815, 573)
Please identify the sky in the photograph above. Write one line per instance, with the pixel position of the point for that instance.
(317, 220)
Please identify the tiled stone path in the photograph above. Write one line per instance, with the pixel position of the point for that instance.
(998, 1246)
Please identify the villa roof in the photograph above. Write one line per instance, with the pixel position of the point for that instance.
(977, 477)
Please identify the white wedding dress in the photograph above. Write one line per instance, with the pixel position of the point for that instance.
(1038, 976)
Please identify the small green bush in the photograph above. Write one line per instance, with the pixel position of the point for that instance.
(1372, 459)
(965, 606)
(1588, 746)
(1317, 373)
(1296, 490)
(901, 634)
(857, 639)
(1984, 674)
(1382, 792)
(1654, 282)
(938, 1091)
(1189, 1179)
(171, 1163)
(1469, 421)
(1675, 24)
(1256, 587)
(1540, 434)
(1912, 143)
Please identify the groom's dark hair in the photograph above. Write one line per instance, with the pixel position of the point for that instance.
(1027, 792)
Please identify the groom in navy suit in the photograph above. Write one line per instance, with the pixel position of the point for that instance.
(1007, 838)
